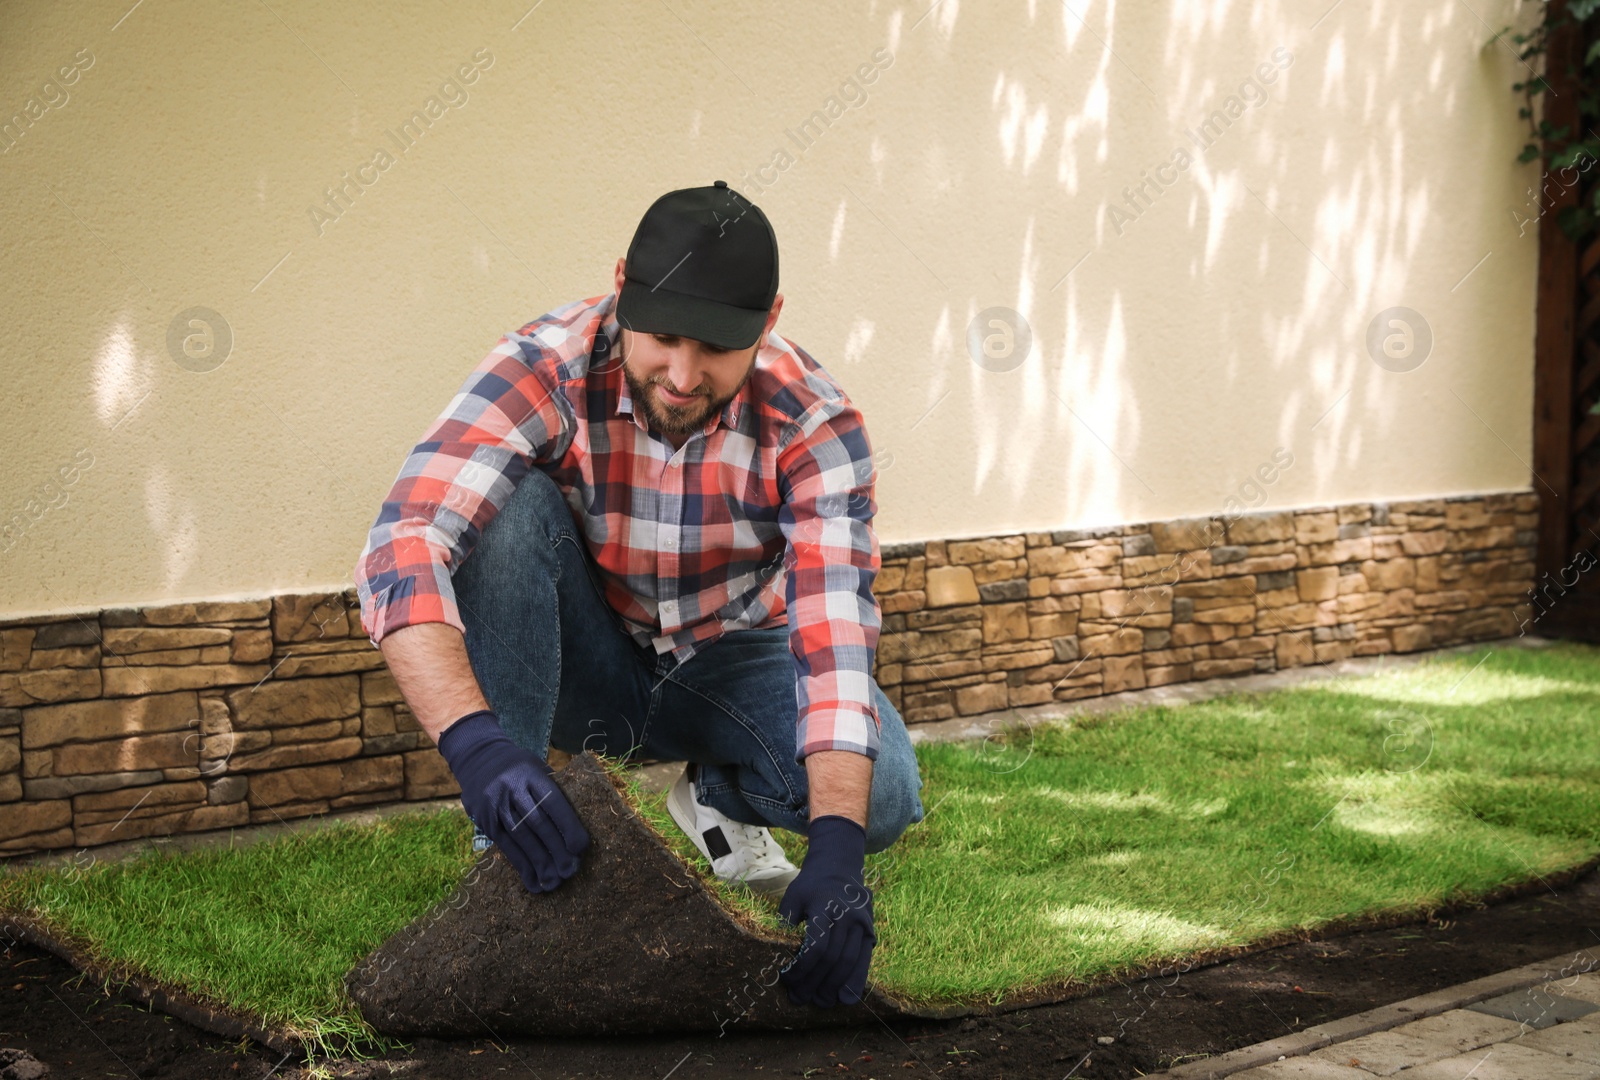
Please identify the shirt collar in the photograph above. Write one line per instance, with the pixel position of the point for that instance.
(609, 339)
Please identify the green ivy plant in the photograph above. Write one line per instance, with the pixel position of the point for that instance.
(1567, 153)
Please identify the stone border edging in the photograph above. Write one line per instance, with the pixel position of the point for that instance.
(1383, 1017)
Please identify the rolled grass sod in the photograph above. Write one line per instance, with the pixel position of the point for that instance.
(1063, 854)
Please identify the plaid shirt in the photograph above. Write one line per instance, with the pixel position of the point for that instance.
(766, 511)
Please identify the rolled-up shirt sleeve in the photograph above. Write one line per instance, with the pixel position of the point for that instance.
(505, 419)
(826, 479)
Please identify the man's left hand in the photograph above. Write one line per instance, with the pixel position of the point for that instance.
(831, 898)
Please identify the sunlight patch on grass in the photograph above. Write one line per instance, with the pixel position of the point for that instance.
(1114, 858)
(1105, 800)
(1382, 819)
(1118, 927)
(1446, 686)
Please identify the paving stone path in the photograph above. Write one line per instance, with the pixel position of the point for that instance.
(1537, 1022)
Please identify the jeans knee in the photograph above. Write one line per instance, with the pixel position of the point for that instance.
(895, 807)
(538, 503)
(536, 508)
(896, 802)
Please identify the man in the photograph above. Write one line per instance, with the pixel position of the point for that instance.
(644, 524)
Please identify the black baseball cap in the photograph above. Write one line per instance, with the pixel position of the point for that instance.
(703, 264)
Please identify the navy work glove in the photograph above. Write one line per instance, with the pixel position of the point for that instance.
(830, 895)
(509, 795)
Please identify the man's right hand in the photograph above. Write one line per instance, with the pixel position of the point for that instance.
(509, 793)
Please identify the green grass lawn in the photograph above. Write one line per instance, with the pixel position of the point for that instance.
(1069, 852)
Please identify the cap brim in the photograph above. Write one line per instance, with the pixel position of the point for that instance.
(664, 312)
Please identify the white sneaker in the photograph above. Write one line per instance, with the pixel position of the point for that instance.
(738, 852)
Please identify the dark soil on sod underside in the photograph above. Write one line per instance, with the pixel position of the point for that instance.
(67, 1023)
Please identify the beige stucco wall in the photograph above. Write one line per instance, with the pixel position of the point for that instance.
(981, 165)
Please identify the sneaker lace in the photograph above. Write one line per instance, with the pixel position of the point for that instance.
(762, 849)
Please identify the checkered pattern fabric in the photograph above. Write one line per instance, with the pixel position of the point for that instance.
(762, 519)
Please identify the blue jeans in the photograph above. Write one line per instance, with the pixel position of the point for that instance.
(558, 668)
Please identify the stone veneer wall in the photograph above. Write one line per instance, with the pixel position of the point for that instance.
(974, 626)
(123, 723)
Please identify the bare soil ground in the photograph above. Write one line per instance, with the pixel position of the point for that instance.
(47, 1009)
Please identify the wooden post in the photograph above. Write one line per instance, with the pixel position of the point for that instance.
(1556, 344)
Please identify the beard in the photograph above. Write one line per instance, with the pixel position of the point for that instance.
(678, 420)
